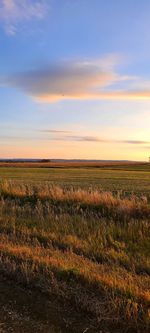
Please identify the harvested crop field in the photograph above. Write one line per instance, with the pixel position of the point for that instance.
(83, 237)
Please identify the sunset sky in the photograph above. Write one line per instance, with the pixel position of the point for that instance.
(75, 79)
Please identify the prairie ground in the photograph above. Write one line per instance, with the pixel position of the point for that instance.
(83, 236)
(129, 177)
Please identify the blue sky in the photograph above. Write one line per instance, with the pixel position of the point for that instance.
(75, 79)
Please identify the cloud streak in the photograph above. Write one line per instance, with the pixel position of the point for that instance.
(78, 138)
(54, 131)
(86, 138)
(15, 12)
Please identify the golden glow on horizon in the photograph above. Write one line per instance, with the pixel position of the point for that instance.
(75, 150)
(129, 142)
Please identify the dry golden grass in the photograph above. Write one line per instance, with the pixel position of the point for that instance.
(132, 206)
(90, 248)
(114, 291)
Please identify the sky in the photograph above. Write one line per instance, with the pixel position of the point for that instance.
(75, 79)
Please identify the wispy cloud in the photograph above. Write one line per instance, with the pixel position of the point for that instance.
(15, 12)
(84, 138)
(61, 135)
(89, 138)
(83, 79)
(54, 131)
(134, 142)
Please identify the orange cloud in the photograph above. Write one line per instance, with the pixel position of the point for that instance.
(81, 80)
(109, 95)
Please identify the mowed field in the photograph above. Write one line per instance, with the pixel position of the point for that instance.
(82, 234)
(129, 177)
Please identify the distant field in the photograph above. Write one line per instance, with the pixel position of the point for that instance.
(109, 165)
(126, 177)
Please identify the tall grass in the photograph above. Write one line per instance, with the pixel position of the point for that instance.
(88, 247)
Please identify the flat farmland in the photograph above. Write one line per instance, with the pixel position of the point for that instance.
(127, 178)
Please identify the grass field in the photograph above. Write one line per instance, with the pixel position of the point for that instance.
(108, 177)
(83, 235)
